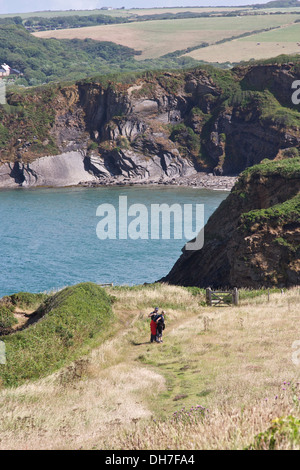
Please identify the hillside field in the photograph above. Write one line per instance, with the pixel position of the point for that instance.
(257, 46)
(159, 37)
(126, 12)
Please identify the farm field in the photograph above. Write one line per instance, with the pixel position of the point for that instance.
(158, 11)
(289, 33)
(53, 13)
(157, 38)
(121, 12)
(257, 46)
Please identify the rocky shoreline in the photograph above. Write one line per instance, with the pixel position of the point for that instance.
(75, 169)
(199, 180)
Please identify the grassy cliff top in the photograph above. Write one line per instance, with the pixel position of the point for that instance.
(287, 168)
(66, 325)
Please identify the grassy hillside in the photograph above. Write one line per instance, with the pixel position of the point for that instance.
(46, 60)
(224, 378)
(68, 323)
(42, 61)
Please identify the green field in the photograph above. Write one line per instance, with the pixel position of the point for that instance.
(156, 38)
(257, 46)
(289, 33)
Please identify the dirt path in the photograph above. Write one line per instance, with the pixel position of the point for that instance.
(22, 316)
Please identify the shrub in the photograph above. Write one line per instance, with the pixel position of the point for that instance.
(27, 300)
(282, 431)
(7, 319)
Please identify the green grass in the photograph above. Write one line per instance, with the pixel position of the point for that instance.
(288, 168)
(269, 107)
(27, 300)
(29, 115)
(248, 294)
(71, 321)
(280, 214)
(245, 23)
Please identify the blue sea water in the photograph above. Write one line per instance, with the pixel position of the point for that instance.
(48, 237)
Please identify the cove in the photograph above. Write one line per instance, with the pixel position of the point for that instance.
(48, 237)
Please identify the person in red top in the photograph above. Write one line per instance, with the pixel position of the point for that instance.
(153, 327)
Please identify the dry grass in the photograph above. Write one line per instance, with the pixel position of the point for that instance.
(237, 50)
(232, 360)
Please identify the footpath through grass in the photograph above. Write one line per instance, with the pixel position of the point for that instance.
(224, 377)
(228, 372)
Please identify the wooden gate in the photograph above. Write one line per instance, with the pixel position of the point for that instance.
(222, 297)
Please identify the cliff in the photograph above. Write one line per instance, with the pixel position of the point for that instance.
(156, 126)
(253, 238)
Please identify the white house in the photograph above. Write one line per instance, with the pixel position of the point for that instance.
(4, 70)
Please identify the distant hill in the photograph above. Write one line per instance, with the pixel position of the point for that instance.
(278, 4)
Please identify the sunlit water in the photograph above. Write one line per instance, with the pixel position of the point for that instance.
(49, 239)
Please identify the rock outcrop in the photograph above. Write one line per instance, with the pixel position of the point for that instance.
(253, 238)
(66, 169)
(157, 127)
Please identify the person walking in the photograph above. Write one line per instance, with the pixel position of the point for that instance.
(153, 328)
(155, 312)
(160, 322)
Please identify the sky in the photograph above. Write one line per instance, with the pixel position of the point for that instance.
(21, 6)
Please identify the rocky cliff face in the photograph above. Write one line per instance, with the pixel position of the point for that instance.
(253, 238)
(157, 127)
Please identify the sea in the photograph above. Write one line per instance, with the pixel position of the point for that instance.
(51, 238)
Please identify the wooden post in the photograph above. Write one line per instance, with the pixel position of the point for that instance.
(235, 296)
(208, 296)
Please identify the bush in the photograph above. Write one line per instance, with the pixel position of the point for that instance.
(283, 432)
(7, 319)
(28, 300)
